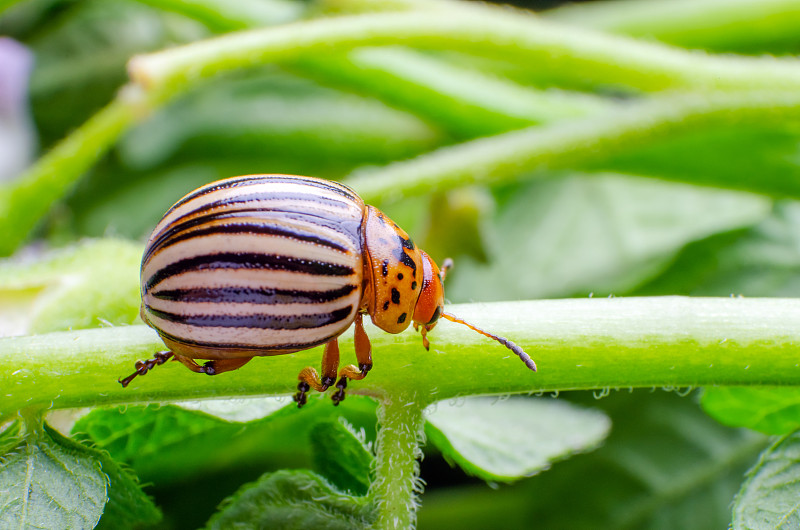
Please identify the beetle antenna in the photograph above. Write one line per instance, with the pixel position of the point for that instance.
(502, 340)
(447, 264)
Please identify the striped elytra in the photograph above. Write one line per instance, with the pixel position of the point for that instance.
(265, 265)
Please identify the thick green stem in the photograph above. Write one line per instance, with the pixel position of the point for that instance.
(397, 484)
(577, 344)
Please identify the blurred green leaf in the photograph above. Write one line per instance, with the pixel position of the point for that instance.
(48, 481)
(664, 465)
(92, 284)
(81, 53)
(763, 260)
(510, 439)
(771, 410)
(600, 233)
(341, 456)
(768, 498)
(292, 500)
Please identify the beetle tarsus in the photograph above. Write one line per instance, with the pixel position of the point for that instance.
(142, 367)
(327, 382)
(300, 397)
(338, 396)
(209, 368)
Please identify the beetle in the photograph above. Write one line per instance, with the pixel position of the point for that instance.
(264, 265)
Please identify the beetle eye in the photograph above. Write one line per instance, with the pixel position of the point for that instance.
(436, 315)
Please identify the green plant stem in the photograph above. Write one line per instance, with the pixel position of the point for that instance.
(25, 201)
(707, 23)
(577, 344)
(462, 101)
(396, 485)
(573, 52)
(572, 143)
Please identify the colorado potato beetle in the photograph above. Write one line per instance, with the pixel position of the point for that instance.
(265, 265)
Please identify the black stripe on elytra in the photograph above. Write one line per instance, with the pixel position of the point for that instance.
(176, 227)
(251, 180)
(252, 296)
(257, 321)
(248, 260)
(250, 228)
(255, 348)
(240, 202)
(244, 198)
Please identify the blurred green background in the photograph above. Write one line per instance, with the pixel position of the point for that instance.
(710, 210)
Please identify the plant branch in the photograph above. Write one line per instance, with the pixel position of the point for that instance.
(573, 52)
(572, 143)
(577, 344)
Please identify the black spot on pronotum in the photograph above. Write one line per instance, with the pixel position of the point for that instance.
(395, 296)
(401, 318)
(407, 243)
(413, 286)
(385, 267)
(399, 275)
(405, 259)
(386, 305)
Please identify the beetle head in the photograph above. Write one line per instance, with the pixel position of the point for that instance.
(430, 303)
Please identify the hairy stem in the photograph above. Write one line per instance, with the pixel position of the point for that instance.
(400, 435)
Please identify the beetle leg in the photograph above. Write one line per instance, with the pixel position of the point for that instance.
(363, 355)
(142, 367)
(309, 378)
(425, 342)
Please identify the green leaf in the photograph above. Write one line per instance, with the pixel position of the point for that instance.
(341, 456)
(293, 500)
(601, 234)
(507, 440)
(128, 506)
(771, 410)
(168, 444)
(665, 464)
(91, 284)
(763, 260)
(769, 497)
(49, 481)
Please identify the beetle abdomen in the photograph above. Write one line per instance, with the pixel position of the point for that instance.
(255, 265)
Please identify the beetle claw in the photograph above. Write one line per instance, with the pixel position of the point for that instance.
(338, 396)
(300, 397)
(142, 367)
